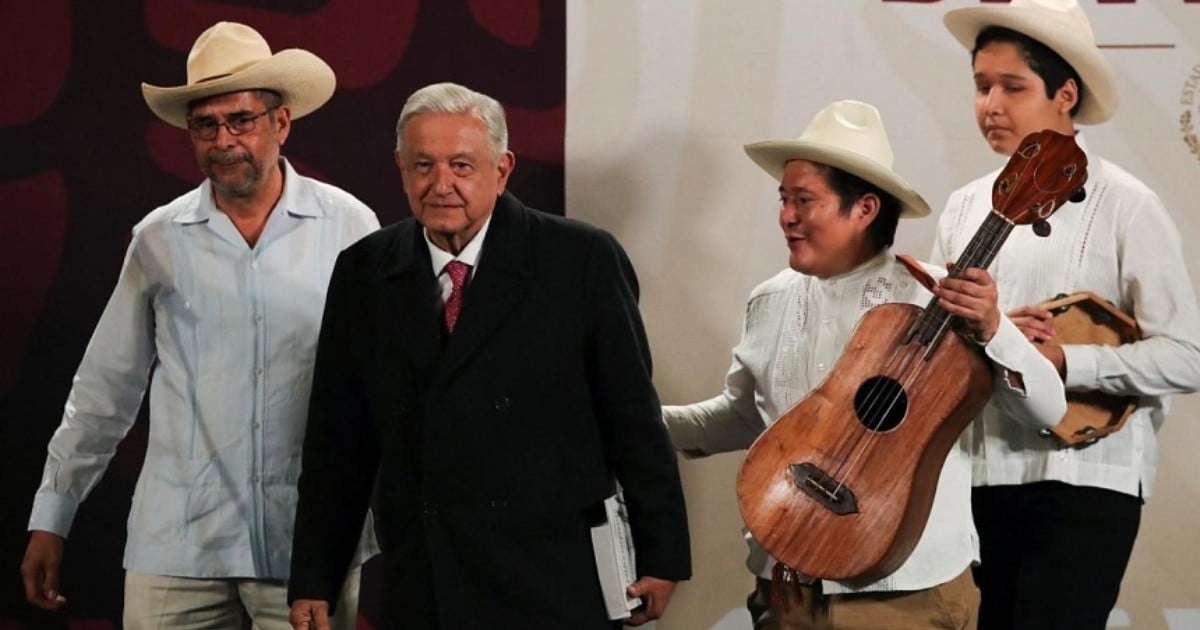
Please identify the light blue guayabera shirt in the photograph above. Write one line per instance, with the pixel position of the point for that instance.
(225, 334)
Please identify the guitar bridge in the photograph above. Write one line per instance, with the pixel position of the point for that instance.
(826, 490)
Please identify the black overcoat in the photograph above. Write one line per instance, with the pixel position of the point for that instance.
(489, 446)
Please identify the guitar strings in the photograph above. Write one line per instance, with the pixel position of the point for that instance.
(931, 325)
(979, 253)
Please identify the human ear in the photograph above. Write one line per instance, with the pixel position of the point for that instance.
(283, 123)
(868, 206)
(1067, 96)
(504, 167)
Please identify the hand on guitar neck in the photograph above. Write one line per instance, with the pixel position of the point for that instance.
(971, 296)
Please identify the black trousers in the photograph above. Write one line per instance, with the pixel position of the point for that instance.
(1053, 554)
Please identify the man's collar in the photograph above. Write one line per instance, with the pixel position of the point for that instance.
(469, 254)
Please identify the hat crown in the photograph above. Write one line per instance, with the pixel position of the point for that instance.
(854, 127)
(223, 49)
(1067, 11)
(1061, 26)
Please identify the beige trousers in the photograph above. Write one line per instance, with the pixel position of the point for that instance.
(159, 602)
(953, 605)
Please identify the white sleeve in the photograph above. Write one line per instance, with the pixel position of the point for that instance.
(105, 396)
(1027, 386)
(727, 422)
(1154, 280)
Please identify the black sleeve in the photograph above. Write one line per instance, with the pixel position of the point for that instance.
(341, 453)
(630, 416)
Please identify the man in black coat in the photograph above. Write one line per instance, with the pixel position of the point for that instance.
(487, 364)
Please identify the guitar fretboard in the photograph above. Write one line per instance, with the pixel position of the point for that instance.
(929, 327)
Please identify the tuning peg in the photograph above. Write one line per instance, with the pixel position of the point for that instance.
(1078, 196)
(1041, 228)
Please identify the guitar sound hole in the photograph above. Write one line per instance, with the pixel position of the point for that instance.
(880, 403)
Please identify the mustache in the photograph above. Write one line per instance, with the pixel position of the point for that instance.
(228, 157)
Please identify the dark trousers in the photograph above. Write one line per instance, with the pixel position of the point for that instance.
(1052, 554)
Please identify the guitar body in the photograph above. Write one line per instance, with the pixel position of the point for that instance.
(841, 485)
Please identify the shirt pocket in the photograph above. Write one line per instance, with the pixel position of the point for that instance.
(181, 499)
(157, 514)
(215, 518)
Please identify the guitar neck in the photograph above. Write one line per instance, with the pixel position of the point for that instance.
(982, 249)
(980, 252)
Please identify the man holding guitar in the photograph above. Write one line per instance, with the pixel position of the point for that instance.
(840, 202)
(1054, 520)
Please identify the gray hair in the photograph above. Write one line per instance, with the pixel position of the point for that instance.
(451, 98)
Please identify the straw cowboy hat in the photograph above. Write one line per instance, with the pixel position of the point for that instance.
(848, 135)
(232, 57)
(1062, 26)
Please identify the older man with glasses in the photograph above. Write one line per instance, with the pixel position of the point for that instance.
(217, 311)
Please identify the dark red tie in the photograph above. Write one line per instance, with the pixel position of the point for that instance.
(458, 272)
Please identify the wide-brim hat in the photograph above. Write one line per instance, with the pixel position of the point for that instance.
(232, 57)
(1061, 26)
(848, 135)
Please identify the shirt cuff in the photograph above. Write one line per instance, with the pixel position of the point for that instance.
(1082, 370)
(1008, 348)
(53, 513)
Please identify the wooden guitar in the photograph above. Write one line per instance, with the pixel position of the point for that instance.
(841, 485)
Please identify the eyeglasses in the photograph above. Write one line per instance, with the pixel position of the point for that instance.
(206, 128)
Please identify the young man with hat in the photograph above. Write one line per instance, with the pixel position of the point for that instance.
(839, 205)
(1057, 524)
(216, 310)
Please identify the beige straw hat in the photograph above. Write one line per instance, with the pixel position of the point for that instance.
(232, 57)
(1062, 27)
(848, 135)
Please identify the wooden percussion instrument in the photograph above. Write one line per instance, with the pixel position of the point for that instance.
(1086, 318)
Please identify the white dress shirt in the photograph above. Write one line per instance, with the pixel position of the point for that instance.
(1120, 244)
(225, 336)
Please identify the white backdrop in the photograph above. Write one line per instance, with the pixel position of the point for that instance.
(662, 94)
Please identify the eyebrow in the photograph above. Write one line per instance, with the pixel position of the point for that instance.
(794, 189)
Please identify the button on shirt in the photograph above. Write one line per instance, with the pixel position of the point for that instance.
(795, 329)
(230, 333)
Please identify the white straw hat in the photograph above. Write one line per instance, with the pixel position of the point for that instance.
(1062, 27)
(848, 135)
(232, 57)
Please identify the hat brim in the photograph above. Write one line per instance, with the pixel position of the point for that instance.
(303, 80)
(773, 155)
(1052, 30)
